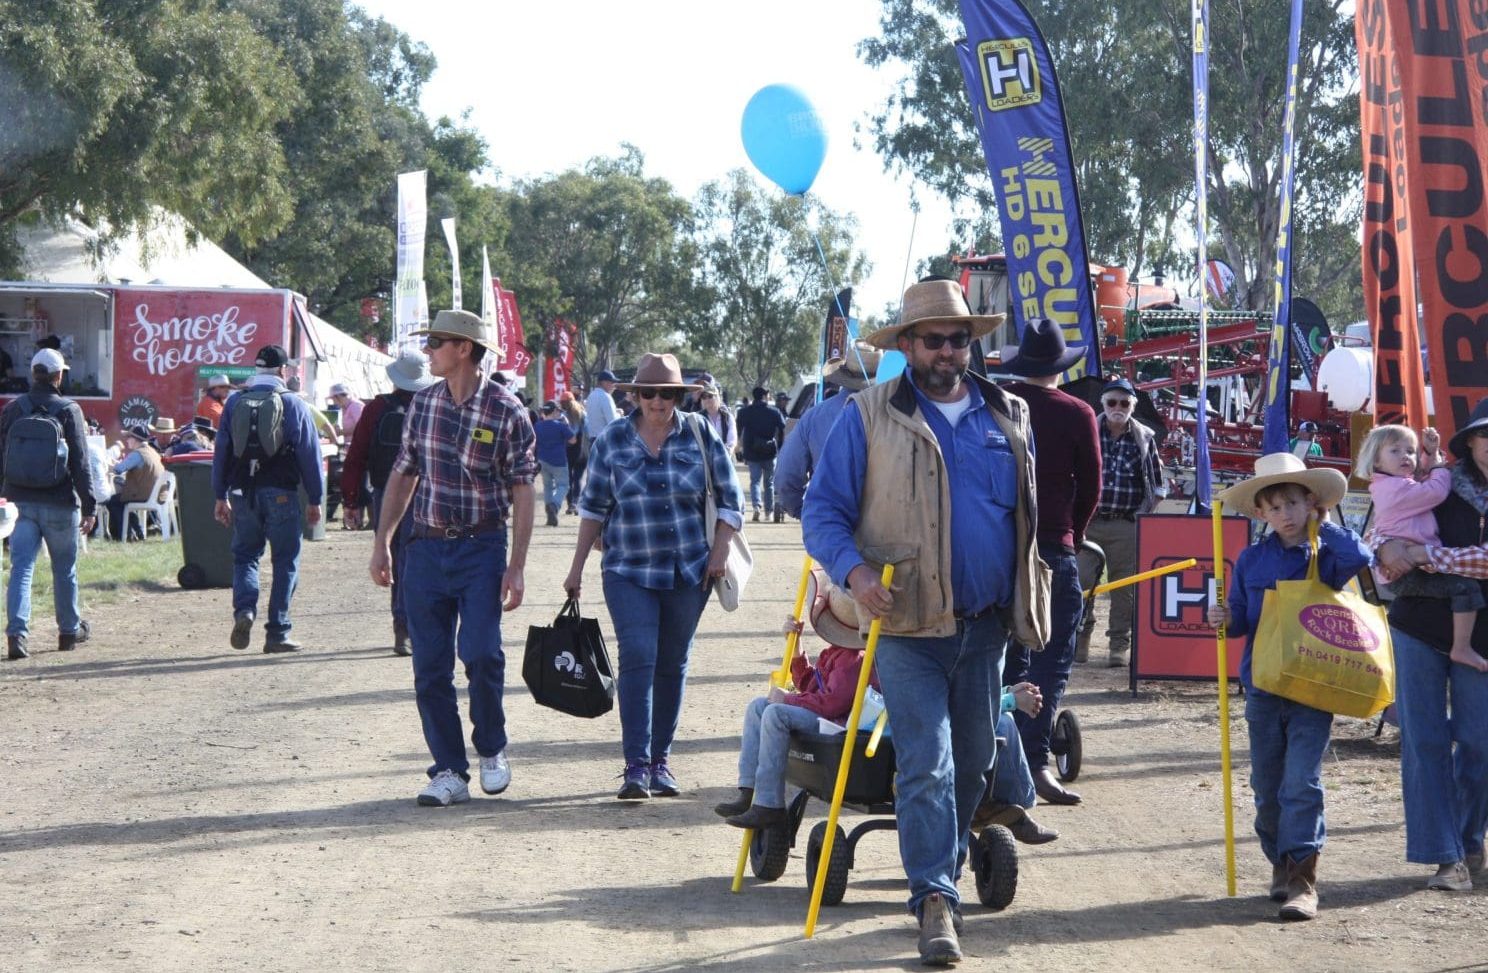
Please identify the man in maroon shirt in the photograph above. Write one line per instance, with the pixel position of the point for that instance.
(1067, 472)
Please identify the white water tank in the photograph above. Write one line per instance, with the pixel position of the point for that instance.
(1347, 375)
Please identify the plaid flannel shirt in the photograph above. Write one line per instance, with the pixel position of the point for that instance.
(652, 506)
(1123, 481)
(1469, 562)
(467, 456)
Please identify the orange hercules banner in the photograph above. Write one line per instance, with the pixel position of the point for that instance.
(1442, 46)
(1389, 275)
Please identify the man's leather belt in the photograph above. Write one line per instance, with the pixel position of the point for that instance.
(457, 530)
(1131, 517)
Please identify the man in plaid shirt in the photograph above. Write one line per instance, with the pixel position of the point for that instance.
(467, 465)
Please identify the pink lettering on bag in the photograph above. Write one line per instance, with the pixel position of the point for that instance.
(1338, 627)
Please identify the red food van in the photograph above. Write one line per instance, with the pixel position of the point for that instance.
(136, 353)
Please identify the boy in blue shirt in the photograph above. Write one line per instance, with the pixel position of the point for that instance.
(1287, 739)
(553, 436)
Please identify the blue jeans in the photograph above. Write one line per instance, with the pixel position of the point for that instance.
(1049, 669)
(1287, 743)
(653, 627)
(762, 752)
(58, 526)
(555, 484)
(266, 515)
(1443, 752)
(763, 470)
(942, 695)
(453, 596)
(398, 544)
(1012, 782)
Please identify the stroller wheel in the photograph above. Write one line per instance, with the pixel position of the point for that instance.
(837, 868)
(995, 863)
(769, 852)
(1066, 746)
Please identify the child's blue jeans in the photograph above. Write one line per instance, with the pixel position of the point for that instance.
(762, 754)
(1287, 743)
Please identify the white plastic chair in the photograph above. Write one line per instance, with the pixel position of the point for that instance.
(163, 506)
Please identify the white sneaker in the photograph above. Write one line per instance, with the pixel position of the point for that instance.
(495, 773)
(445, 789)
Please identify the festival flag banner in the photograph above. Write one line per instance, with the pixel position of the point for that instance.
(515, 357)
(1388, 251)
(1015, 98)
(1279, 362)
(410, 306)
(490, 301)
(1201, 218)
(1440, 51)
(558, 368)
(448, 224)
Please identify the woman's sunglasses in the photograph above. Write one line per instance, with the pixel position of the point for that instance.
(671, 395)
(935, 342)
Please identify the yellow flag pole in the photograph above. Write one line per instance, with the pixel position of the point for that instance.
(849, 743)
(1101, 589)
(1224, 699)
(878, 731)
(777, 678)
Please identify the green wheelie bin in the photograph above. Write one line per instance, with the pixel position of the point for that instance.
(205, 544)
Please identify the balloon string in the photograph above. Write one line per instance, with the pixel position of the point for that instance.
(821, 351)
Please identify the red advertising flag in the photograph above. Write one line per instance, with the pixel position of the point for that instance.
(1440, 46)
(1389, 278)
(517, 358)
(558, 370)
(1173, 639)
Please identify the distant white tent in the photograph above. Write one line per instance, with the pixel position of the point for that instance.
(71, 254)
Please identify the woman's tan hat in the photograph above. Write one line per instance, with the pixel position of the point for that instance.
(659, 371)
(163, 426)
(461, 324)
(935, 302)
(834, 614)
(1327, 485)
(851, 373)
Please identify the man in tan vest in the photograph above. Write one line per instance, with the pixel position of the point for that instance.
(141, 469)
(932, 472)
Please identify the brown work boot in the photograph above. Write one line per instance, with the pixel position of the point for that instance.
(1120, 657)
(1301, 889)
(759, 817)
(402, 643)
(1082, 648)
(1279, 881)
(938, 943)
(737, 806)
(995, 812)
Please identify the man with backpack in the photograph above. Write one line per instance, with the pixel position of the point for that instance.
(44, 472)
(374, 446)
(267, 448)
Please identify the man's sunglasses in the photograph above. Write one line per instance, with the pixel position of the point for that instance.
(935, 342)
(1116, 403)
(434, 341)
(671, 395)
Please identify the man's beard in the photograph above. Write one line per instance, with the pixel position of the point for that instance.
(929, 379)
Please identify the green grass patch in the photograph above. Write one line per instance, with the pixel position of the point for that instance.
(109, 571)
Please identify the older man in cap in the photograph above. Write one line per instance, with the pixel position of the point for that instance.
(932, 473)
(797, 459)
(1131, 484)
(369, 458)
(599, 407)
(467, 465)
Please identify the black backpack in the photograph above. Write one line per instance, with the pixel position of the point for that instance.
(36, 448)
(258, 424)
(387, 439)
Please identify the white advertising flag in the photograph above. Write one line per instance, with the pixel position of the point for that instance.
(410, 308)
(454, 249)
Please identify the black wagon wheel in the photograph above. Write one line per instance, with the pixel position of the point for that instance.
(1066, 745)
(996, 867)
(192, 575)
(837, 867)
(769, 852)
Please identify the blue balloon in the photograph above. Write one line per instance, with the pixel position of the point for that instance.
(891, 365)
(783, 137)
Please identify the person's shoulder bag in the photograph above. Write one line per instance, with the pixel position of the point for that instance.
(740, 563)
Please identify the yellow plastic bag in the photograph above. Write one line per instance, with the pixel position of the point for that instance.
(1323, 648)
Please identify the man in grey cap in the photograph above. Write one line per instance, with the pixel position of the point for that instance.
(599, 408)
(44, 472)
(374, 447)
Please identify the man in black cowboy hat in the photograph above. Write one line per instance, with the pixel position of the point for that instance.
(1068, 478)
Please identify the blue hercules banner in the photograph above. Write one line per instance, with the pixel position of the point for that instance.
(1015, 97)
(1200, 11)
(1278, 367)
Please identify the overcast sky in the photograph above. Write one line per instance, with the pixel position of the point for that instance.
(552, 85)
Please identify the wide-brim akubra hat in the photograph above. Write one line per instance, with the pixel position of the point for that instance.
(1041, 351)
(410, 371)
(833, 613)
(163, 426)
(935, 302)
(659, 372)
(852, 373)
(1327, 485)
(1477, 423)
(461, 324)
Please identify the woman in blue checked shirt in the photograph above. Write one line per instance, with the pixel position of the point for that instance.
(645, 493)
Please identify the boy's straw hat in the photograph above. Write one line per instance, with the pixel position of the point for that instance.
(1327, 485)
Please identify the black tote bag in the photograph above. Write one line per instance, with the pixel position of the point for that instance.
(566, 666)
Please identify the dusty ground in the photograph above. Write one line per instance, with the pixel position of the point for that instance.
(170, 804)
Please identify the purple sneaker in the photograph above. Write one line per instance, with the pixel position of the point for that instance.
(637, 786)
(663, 783)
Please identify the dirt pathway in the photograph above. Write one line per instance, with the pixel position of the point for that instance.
(171, 804)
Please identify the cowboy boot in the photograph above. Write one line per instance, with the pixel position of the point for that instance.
(1301, 890)
(1279, 881)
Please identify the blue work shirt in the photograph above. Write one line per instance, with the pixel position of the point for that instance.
(299, 463)
(1341, 555)
(982, 474)
(797, 459)
(552, 441)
